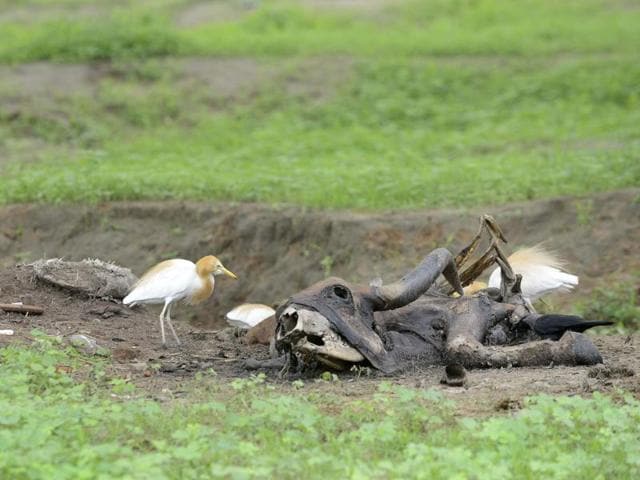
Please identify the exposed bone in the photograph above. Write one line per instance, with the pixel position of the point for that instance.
(309, 334)
(487, 223)
(253, 364)
(19, 308)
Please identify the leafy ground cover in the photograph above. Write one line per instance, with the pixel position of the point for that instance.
(112, 30)
(436, 104)
(67, 417)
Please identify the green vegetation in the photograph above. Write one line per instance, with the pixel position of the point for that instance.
(397, 105)
(428, 104)
(285, 28)
(618, 302)
(401, 134)
(56, 426)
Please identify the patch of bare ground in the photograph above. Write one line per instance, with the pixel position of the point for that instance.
(133, 340)
(202, 13)
(44, 78)
(359, 7)
(315, 78)
(46, 83)
(276, 251)
(19, 13)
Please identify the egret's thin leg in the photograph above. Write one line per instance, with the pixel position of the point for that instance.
(164, 340)
(171, 325)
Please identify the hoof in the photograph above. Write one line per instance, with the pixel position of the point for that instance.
(454, 375)
(582, 349)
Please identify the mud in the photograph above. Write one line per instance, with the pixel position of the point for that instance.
(132, 338)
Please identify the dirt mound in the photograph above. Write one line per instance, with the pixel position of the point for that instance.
(276, 251)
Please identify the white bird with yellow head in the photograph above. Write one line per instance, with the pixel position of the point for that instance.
(174, 280)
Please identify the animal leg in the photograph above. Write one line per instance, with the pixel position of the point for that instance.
(171, 325)
(164, 340)
(572, 349)
(469, 322)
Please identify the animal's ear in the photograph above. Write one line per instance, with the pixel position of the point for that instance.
(416, 282)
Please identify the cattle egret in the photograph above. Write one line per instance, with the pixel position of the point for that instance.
(174, 280)
(249, 315)
(541, 273)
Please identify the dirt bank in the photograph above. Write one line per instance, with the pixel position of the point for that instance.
(278, 250)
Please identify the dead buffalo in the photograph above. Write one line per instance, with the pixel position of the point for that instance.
(420, 319)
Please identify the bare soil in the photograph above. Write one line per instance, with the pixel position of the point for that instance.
(278, 250)
(132, 336)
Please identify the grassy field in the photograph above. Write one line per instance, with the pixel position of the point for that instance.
(65, 417)
(414, 104)
(386, 104)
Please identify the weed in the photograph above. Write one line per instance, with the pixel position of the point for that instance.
(584, 212)
(617, 302)
(327, 264)
(74, 426)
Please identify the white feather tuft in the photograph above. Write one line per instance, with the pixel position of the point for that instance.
(541, 273)
(249, 315)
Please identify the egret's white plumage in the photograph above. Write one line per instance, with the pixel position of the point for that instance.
(541, 273)
(174, 280)
(249, 315)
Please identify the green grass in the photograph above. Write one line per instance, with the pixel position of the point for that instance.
(618, 302)
(400, 134)
(95, 426)
(285, 28)
(443, 104)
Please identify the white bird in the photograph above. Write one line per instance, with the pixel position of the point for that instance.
(541, 273)
(174, 280)
(249, 315)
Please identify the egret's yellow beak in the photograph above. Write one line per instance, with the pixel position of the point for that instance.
(229, 273)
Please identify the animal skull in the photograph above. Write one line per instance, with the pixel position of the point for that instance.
(309, 335)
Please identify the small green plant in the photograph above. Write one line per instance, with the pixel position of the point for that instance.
(121, 386)
(617, 302)
(249, 383)
(82, 430)
(327, 264)
(584, 212)
(329, 377)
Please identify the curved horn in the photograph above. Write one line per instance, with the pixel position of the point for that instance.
(417, 282)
